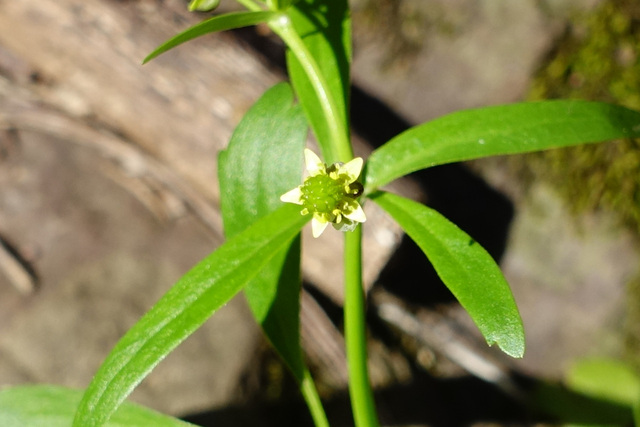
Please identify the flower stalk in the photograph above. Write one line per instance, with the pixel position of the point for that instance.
(362, 401)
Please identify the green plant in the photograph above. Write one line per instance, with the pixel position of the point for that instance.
(597, 392)
(262, 252)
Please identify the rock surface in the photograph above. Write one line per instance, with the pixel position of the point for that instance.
(569, 274)
(108, 174)
(108, 183)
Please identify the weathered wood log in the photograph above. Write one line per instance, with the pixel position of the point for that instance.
(74, 90)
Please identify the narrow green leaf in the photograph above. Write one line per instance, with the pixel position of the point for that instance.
(325, 28)
(271, 139)
(225, 22)
(52, 406)
(186, 306)
(465, 268)
(491, 131)
(606, 379)
(570, 408)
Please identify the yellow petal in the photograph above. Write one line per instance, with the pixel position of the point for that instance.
(318, 226)
(357, 214)
(352, 169)
(315, 166)
(293, 196)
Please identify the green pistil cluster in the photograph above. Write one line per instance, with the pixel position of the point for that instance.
(329, 198)
(321, 194)
(330, 194)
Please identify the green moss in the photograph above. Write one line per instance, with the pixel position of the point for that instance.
(401, 28)
(598, 59)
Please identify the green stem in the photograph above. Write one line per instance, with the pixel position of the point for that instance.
(310, 394)
(362, 402)
(340, 145)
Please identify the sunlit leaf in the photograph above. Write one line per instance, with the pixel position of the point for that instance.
(572, 409)
(605, 379)
(225, 22)
(185, 307)
(491, 131)
(51, 406)
(465, 268)
(264, 161)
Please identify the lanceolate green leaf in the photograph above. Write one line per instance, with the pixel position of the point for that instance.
(607, 379)
(264, 161)
(491, 131)
(217, 23)
(49, 406)
(465, 268)
(200, 292)
(325, 28)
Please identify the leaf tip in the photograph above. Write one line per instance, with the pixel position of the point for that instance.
(149, 57)
(512, 344)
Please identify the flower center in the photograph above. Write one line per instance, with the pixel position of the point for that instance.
(322, 194)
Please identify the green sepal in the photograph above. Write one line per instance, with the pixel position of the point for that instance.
(203, 5)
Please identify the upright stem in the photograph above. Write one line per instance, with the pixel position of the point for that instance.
(340, 144)
(362, 402)
(339, 149)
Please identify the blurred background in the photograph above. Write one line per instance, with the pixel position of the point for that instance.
(108, 194)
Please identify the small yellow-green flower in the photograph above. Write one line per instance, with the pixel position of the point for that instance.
(329, 193)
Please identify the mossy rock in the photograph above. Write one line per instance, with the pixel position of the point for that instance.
(598, 58)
